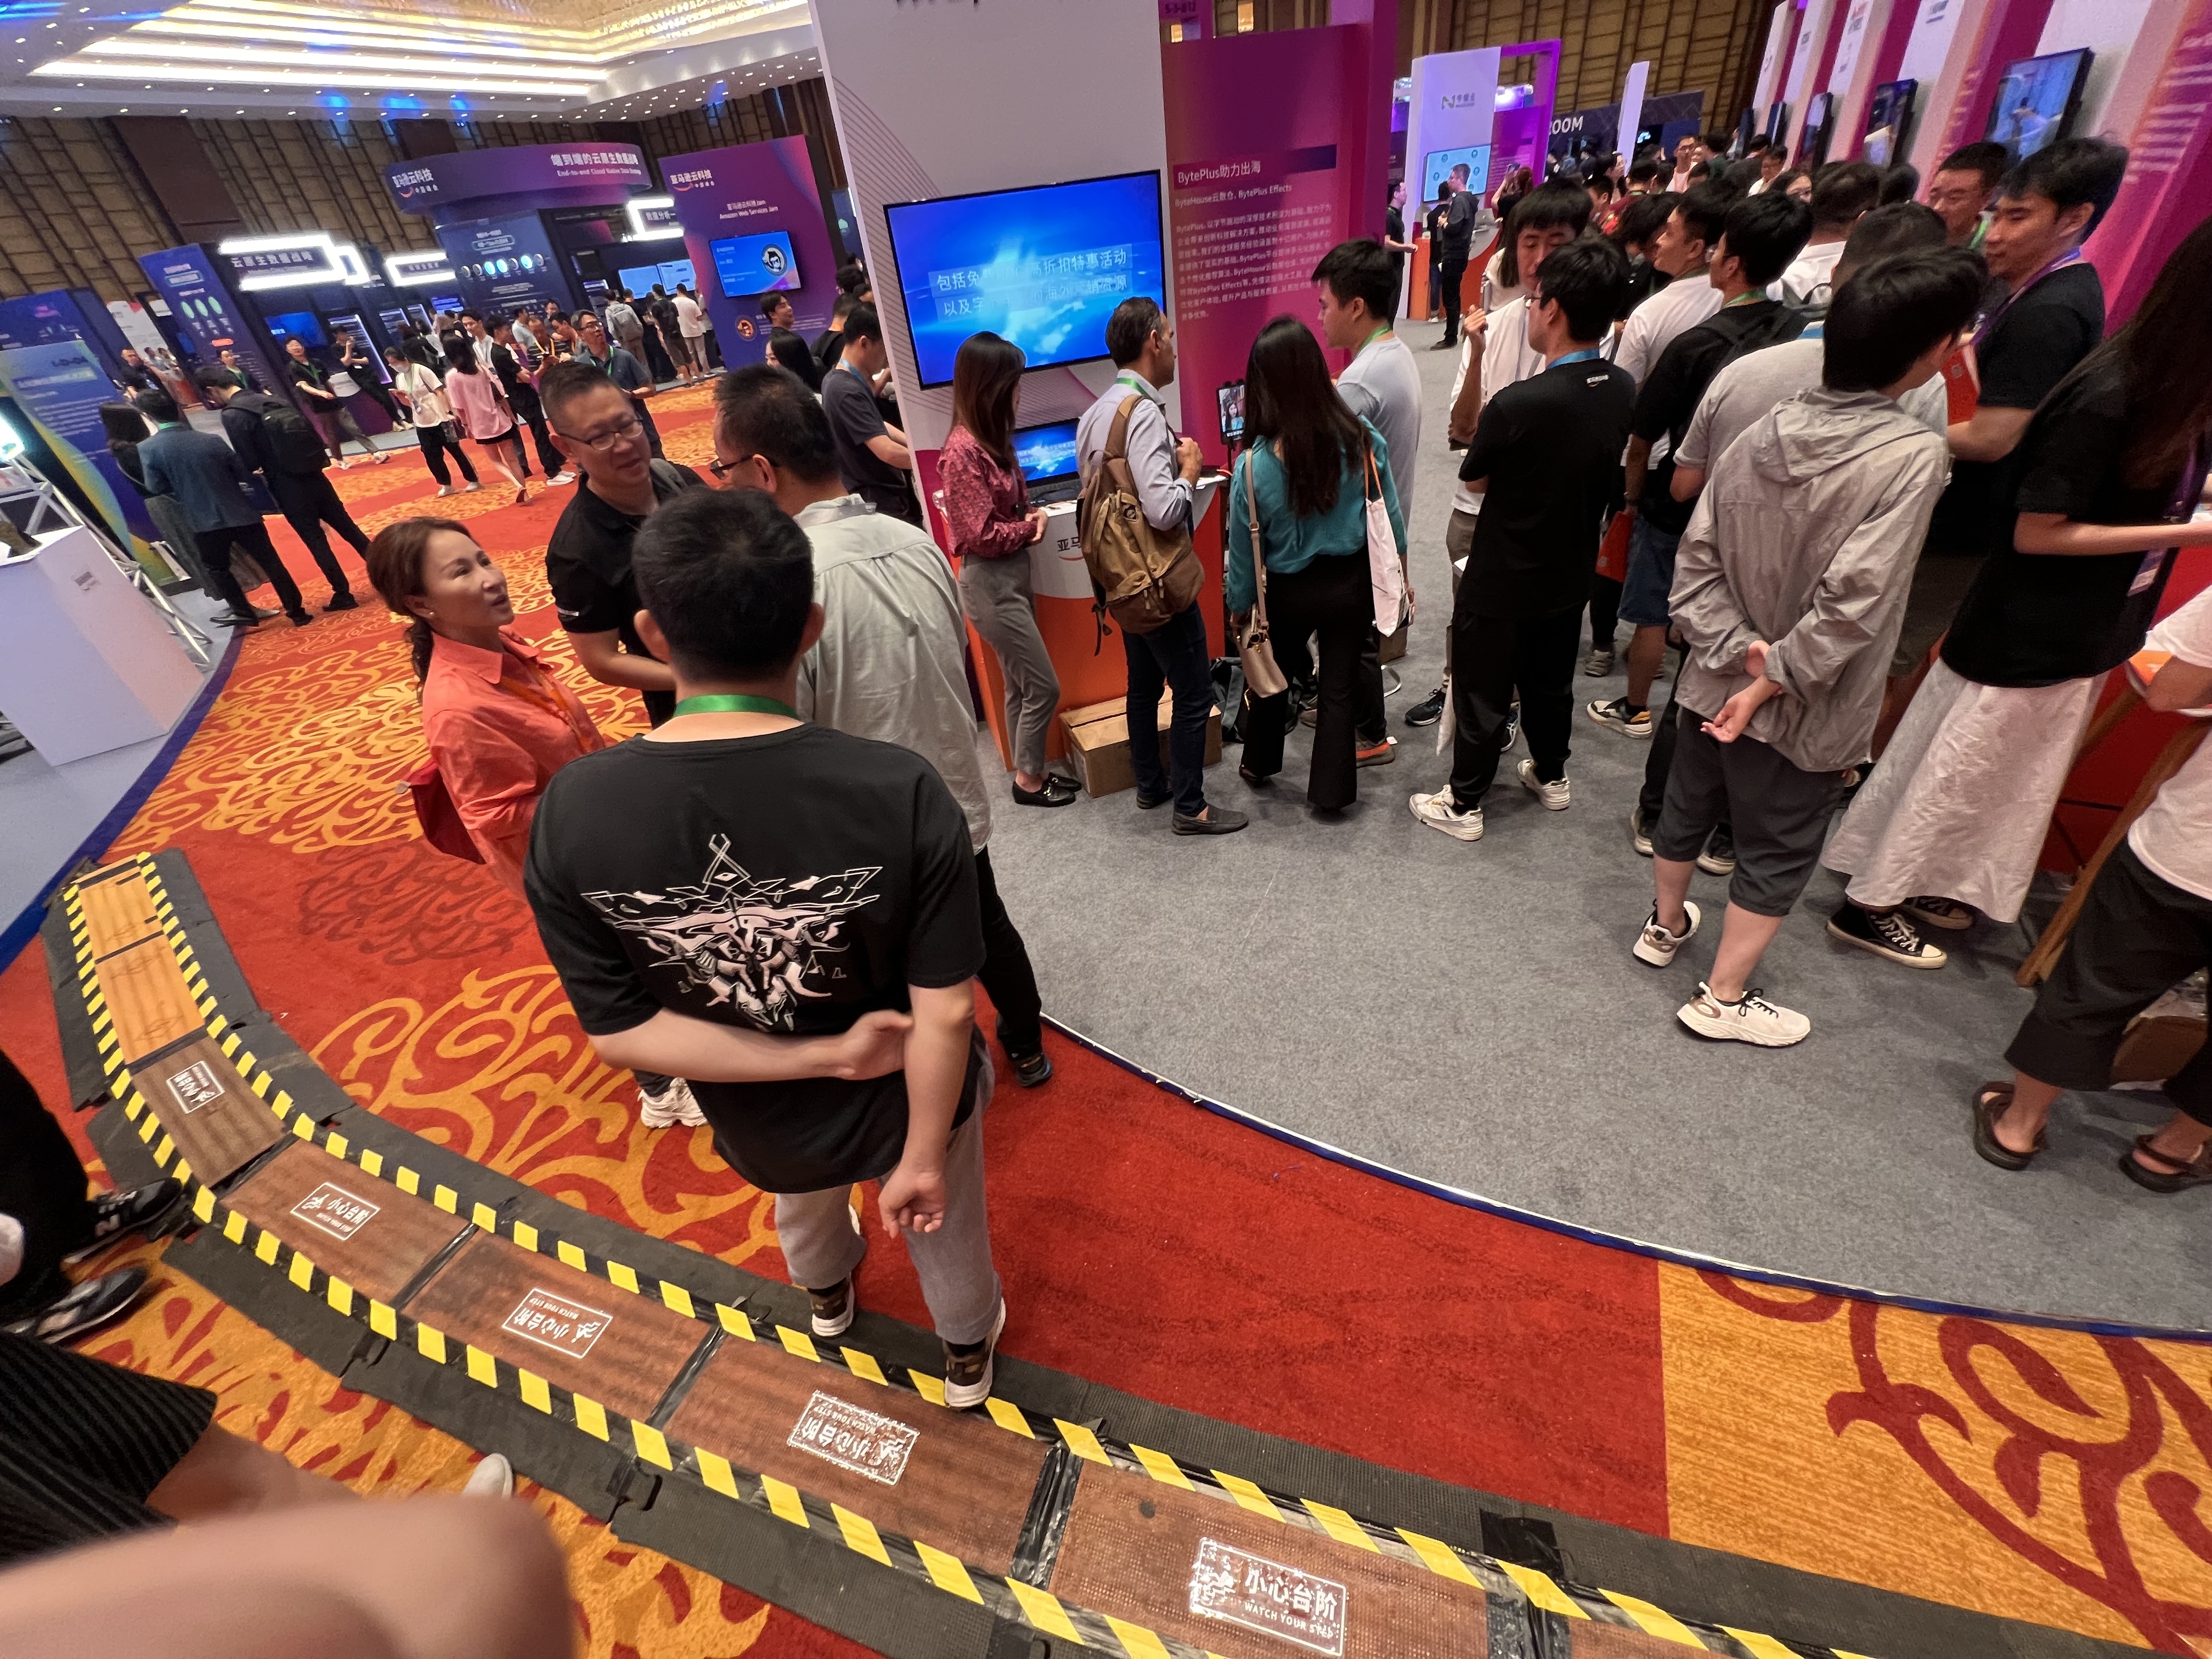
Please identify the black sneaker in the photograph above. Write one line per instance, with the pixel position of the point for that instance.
(968, 1366)
(136, 1210)
(1032, 1071)
(1512, 730)
(1884, 933)
(300, 618)
(1146, 803)
(82, 1307)
(343, 602)
(236, 619)
(1428, 710)
(834, 1309)
(1218, 821)
(1639, 832)
(1719, 857)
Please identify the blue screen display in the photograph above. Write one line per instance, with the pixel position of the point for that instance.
(638, 279)
(1043, 267)
(1441, 164)
(749, 266)
(1046, 452)
(302, 325)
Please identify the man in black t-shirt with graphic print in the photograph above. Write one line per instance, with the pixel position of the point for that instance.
(787, 917)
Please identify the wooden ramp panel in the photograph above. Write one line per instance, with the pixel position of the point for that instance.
(147, 999)
(218, 1123)
(575, 1331)
(117, 912)
(367, 1232)
(1200, 1569)
(956, 1479)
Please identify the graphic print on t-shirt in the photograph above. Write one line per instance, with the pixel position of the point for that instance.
(756, 946)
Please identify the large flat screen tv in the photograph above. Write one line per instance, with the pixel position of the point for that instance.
(1043, 267)
(1889, 120)
(749, 266)
(1442, 164)
(2036, 100)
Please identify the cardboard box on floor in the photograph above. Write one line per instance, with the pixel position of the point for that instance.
(1098, 743)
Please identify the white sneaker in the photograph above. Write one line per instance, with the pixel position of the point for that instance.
(470, 488)
(1753, 1020)
(448, 489)
(1656, 945)
(493, 1478)
(1554, 794)
(672, 1106)
(563, 477)
(1438, 812)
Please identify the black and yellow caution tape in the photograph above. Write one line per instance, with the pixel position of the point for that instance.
(1009, 1598)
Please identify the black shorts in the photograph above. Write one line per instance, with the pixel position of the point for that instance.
(1778, 811)
(82, 1444)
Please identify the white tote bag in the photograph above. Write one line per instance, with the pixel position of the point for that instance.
(1385, 574)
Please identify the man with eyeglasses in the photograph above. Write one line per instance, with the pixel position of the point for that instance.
(594, 349)
(595, 427)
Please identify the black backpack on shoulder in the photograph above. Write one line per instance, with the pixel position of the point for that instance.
(294, 447)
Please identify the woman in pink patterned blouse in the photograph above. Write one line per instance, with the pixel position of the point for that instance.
(994, 526)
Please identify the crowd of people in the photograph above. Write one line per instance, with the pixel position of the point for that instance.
(1867, 467)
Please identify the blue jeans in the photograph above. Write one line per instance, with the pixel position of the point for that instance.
(1173, 656)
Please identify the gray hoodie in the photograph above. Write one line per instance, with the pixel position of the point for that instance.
(1805, 537)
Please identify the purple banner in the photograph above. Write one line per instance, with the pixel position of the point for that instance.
(733, 203)
(208, 316)
(482, 181)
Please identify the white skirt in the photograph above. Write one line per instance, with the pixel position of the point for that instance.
(1960, 801)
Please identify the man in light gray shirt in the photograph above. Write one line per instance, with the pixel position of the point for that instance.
(1164, 475)
(890, 664)
(1357, 288)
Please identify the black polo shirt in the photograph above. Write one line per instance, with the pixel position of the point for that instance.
(587, 566)
(1550, 446)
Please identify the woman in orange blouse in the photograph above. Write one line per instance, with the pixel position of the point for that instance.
(500, 724)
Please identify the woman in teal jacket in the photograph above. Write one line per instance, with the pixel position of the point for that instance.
(1311, 468)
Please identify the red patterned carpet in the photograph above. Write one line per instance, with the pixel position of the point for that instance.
(2045, 1475)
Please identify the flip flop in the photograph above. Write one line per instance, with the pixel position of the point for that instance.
(1988, 1102)
(2196, 1174)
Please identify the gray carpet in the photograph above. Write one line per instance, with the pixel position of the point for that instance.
(1470, 1014)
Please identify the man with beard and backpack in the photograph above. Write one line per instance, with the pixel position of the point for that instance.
(273, 439)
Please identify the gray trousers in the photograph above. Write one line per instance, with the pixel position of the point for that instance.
(953, 1263)
(999, 600)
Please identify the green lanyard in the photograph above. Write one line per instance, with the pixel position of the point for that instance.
(735, 702)
(1372, 338)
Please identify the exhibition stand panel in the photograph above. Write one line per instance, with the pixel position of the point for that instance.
(86, 665)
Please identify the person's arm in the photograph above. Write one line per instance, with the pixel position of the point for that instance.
(157, 476)
(2178, 685)
(944, 951)
(1239, 589)
(1703, 605)
(1694, 454)
(891, 450)
(1877, 555)
(965, 473)
(492, 778)
(1635, 470)
(680, 1045)
(605, 661)
(1687, 483)
(937, 1047)
(1990, 435)
(1165, 472)
(2056, 535)
(1467, 397)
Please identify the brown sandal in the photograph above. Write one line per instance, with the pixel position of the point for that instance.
(2197, 1173)
(1989, 1102)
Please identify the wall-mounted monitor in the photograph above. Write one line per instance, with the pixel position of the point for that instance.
(749, 266)
(638, 279)
(1044, 267)
(1889, 122)
(674, 272)
(2036, 100)
(1813, 144)
(1442, 164)
(1778, 120)
(301, 326)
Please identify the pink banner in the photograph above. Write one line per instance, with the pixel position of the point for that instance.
(2166, 193)
(1261, 185)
